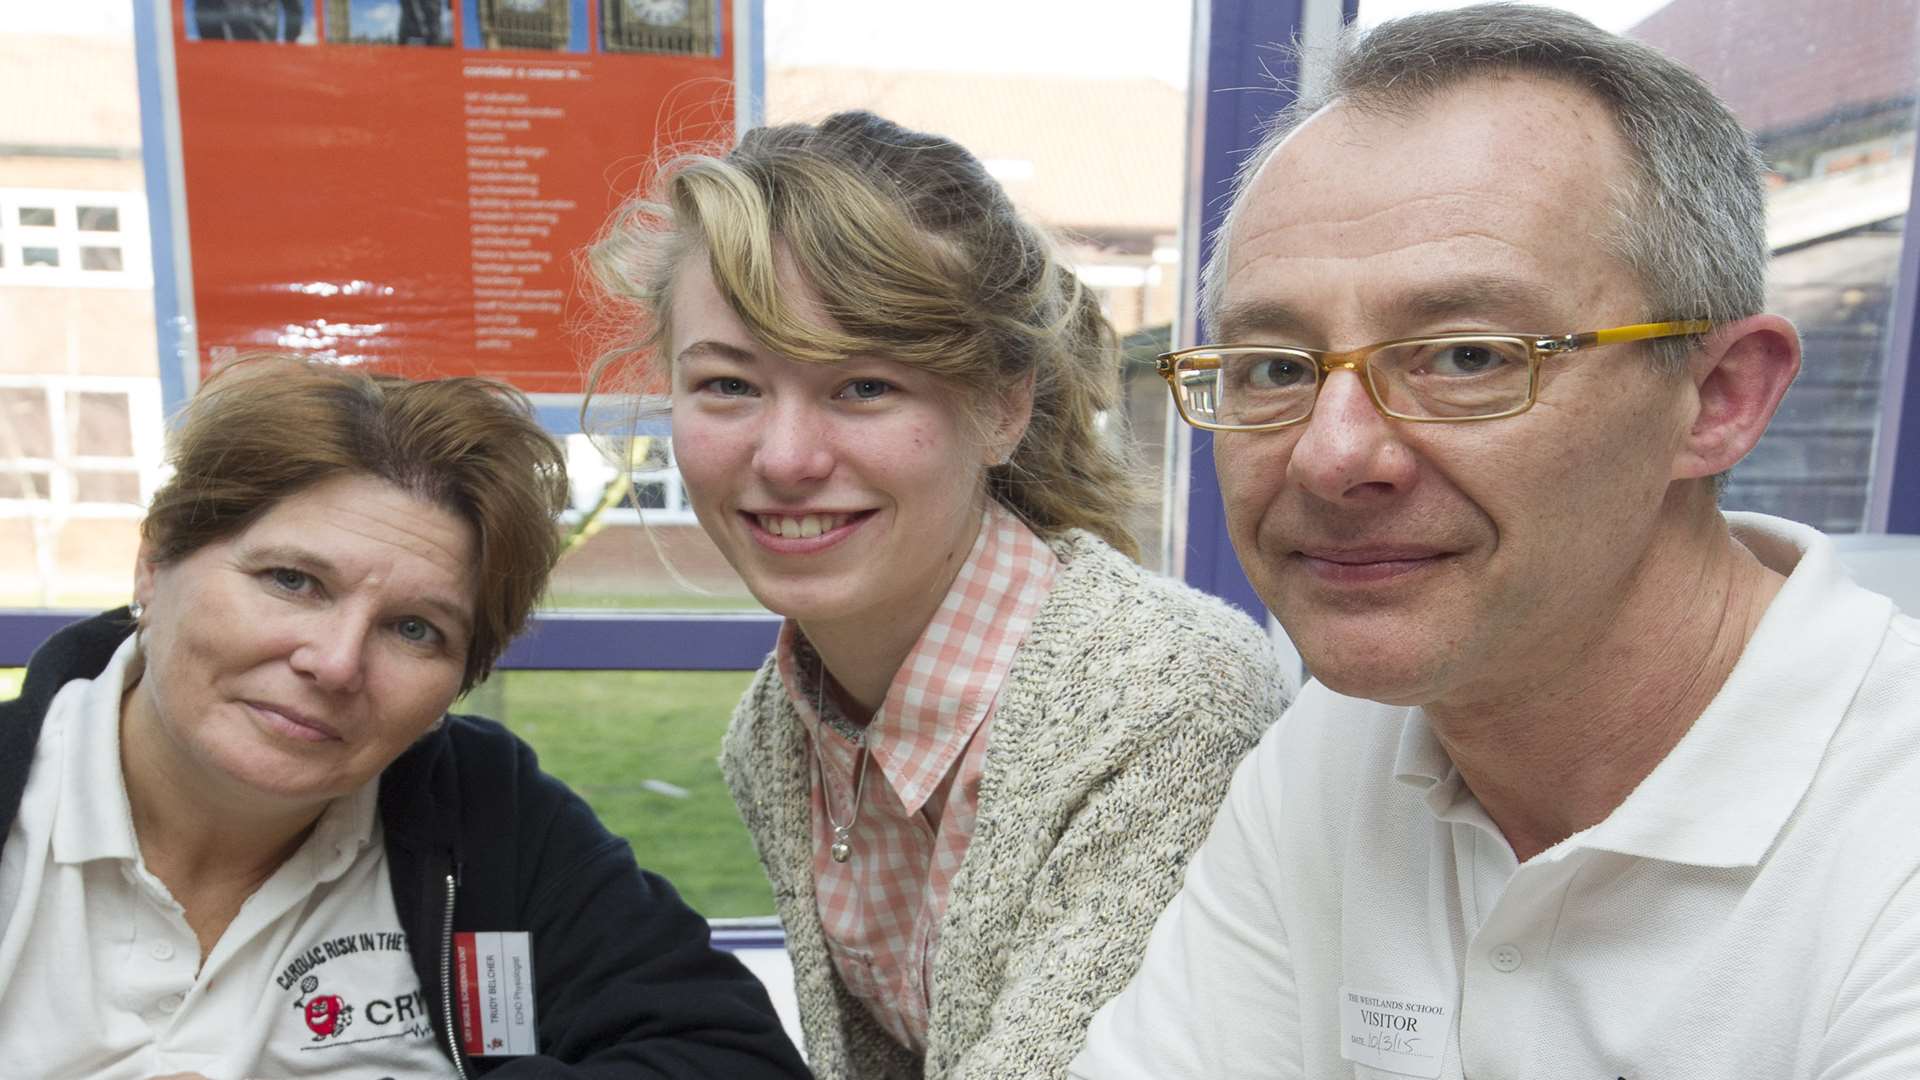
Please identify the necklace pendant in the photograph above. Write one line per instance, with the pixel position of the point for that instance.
(841, 850)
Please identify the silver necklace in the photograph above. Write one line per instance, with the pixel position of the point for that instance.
(842, 848)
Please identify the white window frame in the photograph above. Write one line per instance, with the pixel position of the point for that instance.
(62, 502)
(588, 471)
(66, 237)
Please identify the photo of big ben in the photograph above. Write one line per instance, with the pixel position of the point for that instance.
(675, 27)
(525, 24)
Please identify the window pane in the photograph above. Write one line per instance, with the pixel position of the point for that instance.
(36, 216)
(106, 487)
(646, 495)
(39, 256)
(101, 426)
(25, 428)
(99, 218)
(100, 258)
(25, 484)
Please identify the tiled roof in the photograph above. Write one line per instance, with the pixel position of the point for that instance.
(1782, 64)
(1089, 155)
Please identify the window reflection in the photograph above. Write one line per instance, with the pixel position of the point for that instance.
(1828, 91)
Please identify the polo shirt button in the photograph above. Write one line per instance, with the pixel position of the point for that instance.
(1505, 958)
(162, 950)
(170, 1003)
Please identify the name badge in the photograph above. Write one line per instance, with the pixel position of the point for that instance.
(1394, 1032)
(493, 983)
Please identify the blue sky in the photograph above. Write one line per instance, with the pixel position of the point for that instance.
(376, 18)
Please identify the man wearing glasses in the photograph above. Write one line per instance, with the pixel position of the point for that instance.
(1594, 781)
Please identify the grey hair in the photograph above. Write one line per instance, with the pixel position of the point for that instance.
(1690, 219)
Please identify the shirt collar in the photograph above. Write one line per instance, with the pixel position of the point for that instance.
(94, 820)
(1421, 762)
(949, 681)
(1722, 794)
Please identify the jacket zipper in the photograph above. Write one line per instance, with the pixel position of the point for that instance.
(446, 984)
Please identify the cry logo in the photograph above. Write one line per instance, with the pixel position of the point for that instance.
(327, 1016)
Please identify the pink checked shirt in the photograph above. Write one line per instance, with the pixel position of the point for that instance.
(881, 910)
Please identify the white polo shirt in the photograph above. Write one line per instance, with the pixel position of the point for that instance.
(98, 966)
(1751, 910)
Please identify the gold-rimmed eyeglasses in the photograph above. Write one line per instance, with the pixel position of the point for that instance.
(1446, 378)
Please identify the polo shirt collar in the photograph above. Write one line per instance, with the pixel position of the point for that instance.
(1422, 763)
(1724, 792)
(93, 819)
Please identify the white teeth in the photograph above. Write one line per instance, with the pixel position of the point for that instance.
(796, 528)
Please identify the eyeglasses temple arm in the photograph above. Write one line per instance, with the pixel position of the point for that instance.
(1622, 334)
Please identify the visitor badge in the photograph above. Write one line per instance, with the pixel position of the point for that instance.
(1394, 1032)
(493, 982)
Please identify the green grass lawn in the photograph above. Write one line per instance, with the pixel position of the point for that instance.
(606, 733)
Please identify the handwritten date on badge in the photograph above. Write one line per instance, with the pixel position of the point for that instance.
(1391, 1042)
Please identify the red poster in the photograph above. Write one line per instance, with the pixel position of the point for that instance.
(406, 183)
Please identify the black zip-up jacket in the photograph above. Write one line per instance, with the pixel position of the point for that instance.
(627, 983)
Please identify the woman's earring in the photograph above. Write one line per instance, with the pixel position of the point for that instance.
(136, 609)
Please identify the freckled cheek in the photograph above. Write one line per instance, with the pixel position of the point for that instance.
(703, 440)
(705, 458)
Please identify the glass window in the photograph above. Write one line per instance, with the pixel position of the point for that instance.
(29, 427)
(26, 484)
(68, 237)
(114, 486)
(76, 453)
(101, 424)
(642, 747)
(99, 218)
(100, 258)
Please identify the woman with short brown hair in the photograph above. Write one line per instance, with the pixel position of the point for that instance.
(244, 838)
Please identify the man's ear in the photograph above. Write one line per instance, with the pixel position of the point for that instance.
(1011, 412)
(1740, 372)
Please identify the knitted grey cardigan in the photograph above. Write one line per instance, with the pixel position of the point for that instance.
(1118, 728)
